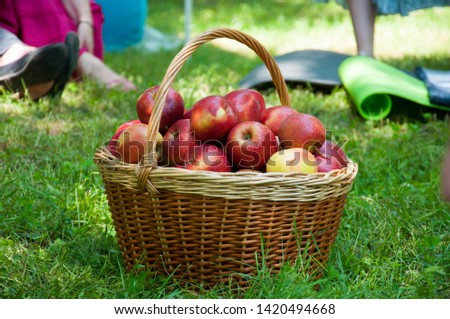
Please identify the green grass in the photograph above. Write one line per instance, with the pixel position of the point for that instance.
(57, 239)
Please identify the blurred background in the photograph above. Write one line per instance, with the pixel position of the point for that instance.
(303, 24)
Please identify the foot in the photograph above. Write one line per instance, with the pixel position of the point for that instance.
(35, 92)
(363, 53)
(94, 68)
(122, 84)
(39, 90)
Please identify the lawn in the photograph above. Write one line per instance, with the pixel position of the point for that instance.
(57, 239)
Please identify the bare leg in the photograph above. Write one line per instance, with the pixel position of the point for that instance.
(15, 52)
(363, 13)
(92, 67)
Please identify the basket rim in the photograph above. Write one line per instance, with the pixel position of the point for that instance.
(109, 160)
(231, 185)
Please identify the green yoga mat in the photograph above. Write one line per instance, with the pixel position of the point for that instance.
(371, 84)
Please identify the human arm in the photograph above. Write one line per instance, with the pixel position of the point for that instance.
(80, 12)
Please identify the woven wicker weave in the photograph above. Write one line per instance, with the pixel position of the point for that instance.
(201, 226)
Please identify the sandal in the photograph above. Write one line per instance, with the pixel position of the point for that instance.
(37, 67)
(73, 46)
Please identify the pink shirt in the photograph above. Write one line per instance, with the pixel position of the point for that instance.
(41, 22)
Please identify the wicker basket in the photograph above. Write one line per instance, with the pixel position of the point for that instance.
(201, 226)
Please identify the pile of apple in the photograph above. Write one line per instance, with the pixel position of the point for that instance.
(230, 133)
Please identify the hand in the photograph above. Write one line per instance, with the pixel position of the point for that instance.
(85, 32)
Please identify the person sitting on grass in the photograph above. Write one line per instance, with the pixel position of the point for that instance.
(41, 23)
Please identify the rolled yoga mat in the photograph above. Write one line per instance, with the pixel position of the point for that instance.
(371, 84)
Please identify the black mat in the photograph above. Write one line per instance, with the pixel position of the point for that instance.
(319, 68)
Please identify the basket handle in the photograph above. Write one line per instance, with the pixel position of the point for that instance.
(149, 158)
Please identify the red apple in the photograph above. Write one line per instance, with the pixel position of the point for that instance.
(247, 103)
(326, 164)
(259, 97)
(125, 125)
(330, 149)
(330, 156)
(212, 117)
(112, 145)
(250, 144)
(301, 130)
(173, 109)
(187, 114)
(131, 143)
(179, 143)
(274, 116)
(209, 157)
